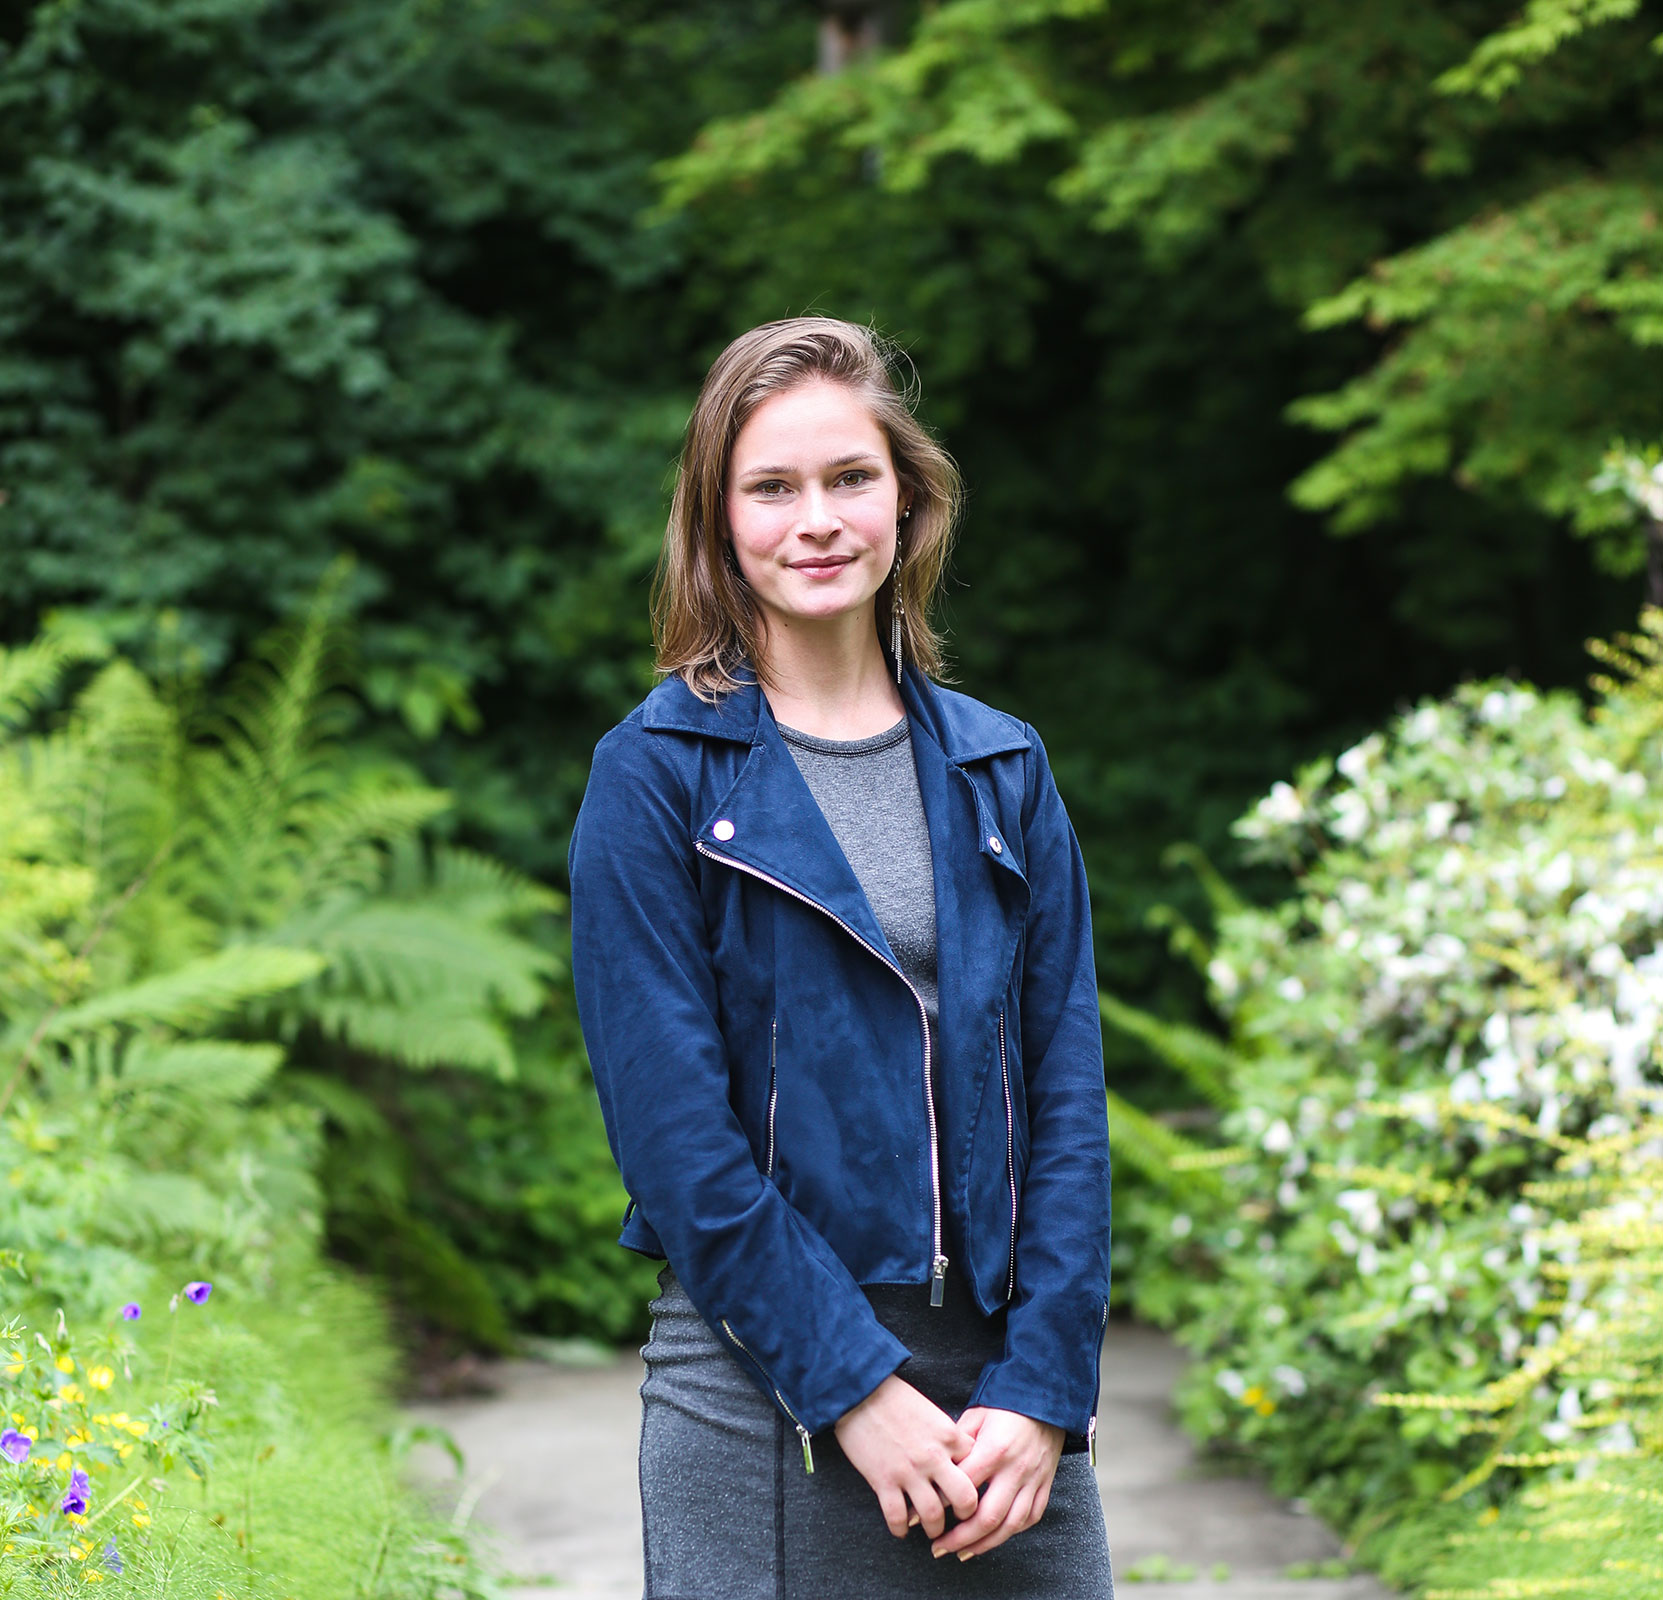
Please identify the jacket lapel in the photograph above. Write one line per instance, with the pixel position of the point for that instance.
(770, 824)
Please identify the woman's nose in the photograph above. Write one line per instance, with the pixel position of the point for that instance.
(817, 518)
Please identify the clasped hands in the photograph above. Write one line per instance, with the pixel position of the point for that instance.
(994, 1468)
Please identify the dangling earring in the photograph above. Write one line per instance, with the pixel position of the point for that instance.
(897, 607)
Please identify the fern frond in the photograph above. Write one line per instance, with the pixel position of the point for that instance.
(480, 888)
(1632, 686)
(421, 1035)
(203, 1069)
(30, 672)
(274, 752)
(194, 994)
(1150, 1149)
(336, 836)
(413, 951)
(355, 1114)
(1223, 899)
(1207, 1064)
(161, 1203)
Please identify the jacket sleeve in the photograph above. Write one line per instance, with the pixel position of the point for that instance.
(647, 998)
(1049, 1369)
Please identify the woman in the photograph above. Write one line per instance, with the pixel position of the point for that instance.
(832, 949)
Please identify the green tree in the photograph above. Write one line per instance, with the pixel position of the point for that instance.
(279, 280)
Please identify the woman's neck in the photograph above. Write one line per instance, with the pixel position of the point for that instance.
(834, 683)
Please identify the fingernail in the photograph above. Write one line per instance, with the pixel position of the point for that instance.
(964, 1555)
(937, 1551)
(912, 1521)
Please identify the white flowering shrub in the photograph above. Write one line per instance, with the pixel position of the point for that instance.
(1443, 1039)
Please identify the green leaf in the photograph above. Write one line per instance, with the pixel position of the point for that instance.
(203, 1069)
(1207, 1064)
(194, 994)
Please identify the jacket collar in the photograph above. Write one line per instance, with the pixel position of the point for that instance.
(965, 729)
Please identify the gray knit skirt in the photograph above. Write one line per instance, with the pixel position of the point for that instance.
(728, 1512)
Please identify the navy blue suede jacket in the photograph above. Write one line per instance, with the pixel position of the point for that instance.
(766, 1071)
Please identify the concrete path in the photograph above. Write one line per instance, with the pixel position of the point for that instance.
(551, 1469)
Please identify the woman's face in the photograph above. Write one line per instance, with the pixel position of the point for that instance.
(812, 502)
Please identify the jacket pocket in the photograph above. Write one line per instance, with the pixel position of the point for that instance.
(1010, 1153)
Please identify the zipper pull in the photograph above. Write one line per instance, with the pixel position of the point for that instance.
(1091, 1441)
(938, 1281)
(808, 1449)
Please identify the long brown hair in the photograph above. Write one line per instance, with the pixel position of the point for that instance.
(705, 619)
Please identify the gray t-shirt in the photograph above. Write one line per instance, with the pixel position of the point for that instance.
(868, 790)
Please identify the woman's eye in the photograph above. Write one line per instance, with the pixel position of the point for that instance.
(855, 476)
(772, 486)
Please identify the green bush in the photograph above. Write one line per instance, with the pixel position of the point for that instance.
(530, 1194)
(1443, 1049)
(193, 904)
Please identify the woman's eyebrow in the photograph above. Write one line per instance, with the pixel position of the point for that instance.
(785, 472)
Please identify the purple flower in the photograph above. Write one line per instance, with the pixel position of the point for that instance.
(130, 1312)
(196, 1293)
(75, 1502)
(112, 1557)
(15, 1446)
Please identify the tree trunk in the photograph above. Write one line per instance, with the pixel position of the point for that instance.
(847, 31)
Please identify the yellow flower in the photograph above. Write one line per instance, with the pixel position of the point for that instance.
(92, 1576)
(65, 1461)
(72, 1394)
(1488, 1515)
(1252, 1396)
(140, 1520)
(138, 1428)
(78, 1436)
(124, 1450)
(65, 1363)
(133, 1499)
(100, 1377)
(1265, 1407)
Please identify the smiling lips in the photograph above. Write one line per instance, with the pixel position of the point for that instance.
(822, 566)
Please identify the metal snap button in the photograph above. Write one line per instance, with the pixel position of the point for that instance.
(994, 845)
(723, 830)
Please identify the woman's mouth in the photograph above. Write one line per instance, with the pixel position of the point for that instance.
(822, 566)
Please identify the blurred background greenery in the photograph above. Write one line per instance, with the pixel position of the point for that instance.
(1281, 344)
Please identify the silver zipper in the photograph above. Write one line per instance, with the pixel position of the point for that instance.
(773, 1084)
(802, 1432)
(1010, 1153)
(1091, 1427)
(938, 1262)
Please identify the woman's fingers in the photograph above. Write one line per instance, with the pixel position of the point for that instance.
(959, 1491)
(1020, 1516)
(927, 1503)
(995, 1506)
(1042, 1499)
(893, 1504)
